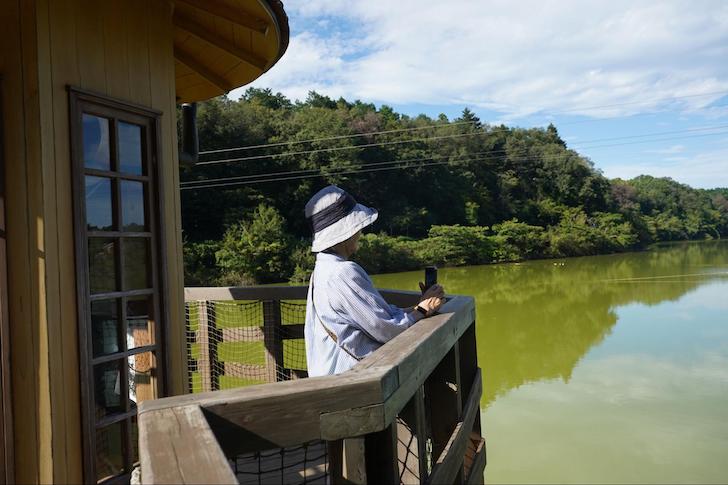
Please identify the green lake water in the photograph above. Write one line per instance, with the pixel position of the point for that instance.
(605, 369)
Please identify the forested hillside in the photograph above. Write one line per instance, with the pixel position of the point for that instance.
(448, 191)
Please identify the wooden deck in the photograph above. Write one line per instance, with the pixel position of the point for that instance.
(407, 414)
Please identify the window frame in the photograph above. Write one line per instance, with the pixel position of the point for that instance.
(80, 102)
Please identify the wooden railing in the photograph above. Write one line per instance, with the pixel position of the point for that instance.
(408, 413)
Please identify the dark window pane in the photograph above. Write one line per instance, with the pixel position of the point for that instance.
(142, 378)
(136, 263)
(134, 441)
(139, 322)
(130, 148)
(102, 264)
(110, 451)
(105, 327)
(132, 206)
(96, 142)
(99, 208)
(108, 387)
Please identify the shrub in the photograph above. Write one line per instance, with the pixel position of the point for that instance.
(199, 263)
(380, 253)
(455, 245)
(515, 241)
(256, 249)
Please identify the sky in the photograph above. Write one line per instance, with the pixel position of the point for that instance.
(637, 87)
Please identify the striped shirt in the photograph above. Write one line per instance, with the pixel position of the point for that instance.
(342, 297)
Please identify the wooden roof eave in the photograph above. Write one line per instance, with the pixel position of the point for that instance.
(197, 42)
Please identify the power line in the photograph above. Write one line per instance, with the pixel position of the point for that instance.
(459, 135)
(255, 178)
(337, 137)
(355, 135)
(334, 149)
(345, 172)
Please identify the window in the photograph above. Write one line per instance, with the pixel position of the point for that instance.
(117, 228)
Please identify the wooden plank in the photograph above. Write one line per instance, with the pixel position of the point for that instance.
(115, 50)
(192, 27)
(136, 19)
(247, 293)
(273, 342)
(443, 401)
(65, 70)
(214, 337)
(162, 85)
(204, 71)
(235, 15)
(354, 461)
(203, 340)
(402, 299)
(450, 462)
(476, 468)
(280, 414)
(178, 446)
(90, 44)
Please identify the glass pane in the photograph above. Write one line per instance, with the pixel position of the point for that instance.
(136, 263)
(109, 451)
(132, 206)
(96, 142)
(102, 264)
(142, 378)
(134, 441)
(99, 209)
(139, 322)
(107, 388)
(105, 327)
(130, 148)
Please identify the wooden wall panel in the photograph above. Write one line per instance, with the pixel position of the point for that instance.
(116, 49)
(24, 365)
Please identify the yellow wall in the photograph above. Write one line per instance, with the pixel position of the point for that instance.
(119, 48)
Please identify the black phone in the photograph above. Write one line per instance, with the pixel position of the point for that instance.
(430, 276)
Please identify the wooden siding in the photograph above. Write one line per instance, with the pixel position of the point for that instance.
(118, 48)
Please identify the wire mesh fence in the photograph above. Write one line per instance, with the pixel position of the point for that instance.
(234, 344)
(240, 343)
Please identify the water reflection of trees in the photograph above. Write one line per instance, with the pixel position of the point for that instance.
(537, 320)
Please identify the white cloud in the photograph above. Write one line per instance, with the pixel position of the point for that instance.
(669, 150)
(514, 57)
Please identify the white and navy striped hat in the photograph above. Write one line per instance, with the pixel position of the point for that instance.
(334, 216)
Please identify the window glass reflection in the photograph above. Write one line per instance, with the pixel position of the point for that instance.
(102, 264)
(99, 208)
(142, 378)
(107, 388)
(136, 263)
(109, 451)
(132, 206)
(139, 322)
(130, 148)
(105, 328)
(96, 142)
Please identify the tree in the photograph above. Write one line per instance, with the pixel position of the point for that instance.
(256, 249)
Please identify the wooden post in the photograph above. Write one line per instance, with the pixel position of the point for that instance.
(380, 450)
(443, 391)
(272, 339)
(469, 368)
(203, 339)
(214, 336)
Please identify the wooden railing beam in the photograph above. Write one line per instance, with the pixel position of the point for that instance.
(176, 445)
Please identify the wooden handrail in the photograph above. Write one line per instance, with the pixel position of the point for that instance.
(364, 401)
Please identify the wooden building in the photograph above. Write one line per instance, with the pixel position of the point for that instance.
(91, 284)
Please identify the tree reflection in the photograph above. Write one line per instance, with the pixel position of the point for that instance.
(536, 320)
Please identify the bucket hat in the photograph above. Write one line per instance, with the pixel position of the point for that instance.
(334, 216)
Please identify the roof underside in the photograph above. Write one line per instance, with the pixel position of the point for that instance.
(220, 45)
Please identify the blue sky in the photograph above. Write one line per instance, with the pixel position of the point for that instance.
(638, 87)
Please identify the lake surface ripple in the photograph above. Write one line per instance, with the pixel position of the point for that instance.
(605, 369)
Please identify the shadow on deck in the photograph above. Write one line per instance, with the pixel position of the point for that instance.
(409, 413)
